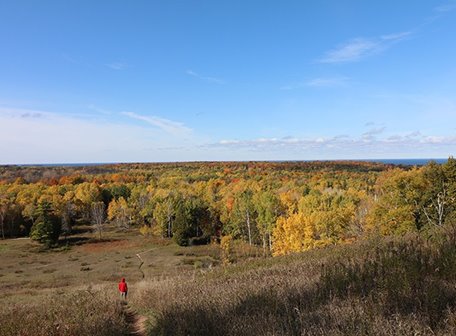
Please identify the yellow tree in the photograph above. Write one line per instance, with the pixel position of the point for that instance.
(120, 213)
(85, 194)
(396, 209)
(293, 234)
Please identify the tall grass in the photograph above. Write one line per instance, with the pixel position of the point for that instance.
(393, 287)
(76, 313)
(406, 277)
(401, 286)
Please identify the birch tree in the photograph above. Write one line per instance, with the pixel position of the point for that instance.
(98, 216)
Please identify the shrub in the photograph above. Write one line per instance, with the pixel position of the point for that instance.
(226, 244)
(146, 230)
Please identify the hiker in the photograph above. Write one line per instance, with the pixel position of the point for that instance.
(123, 289)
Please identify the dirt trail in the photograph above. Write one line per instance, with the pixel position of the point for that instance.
(136, 322)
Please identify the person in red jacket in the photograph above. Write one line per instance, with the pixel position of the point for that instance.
(123, 289)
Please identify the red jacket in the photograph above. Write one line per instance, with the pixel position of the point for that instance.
(123, 286)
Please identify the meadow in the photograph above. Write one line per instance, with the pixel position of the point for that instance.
(56, 291)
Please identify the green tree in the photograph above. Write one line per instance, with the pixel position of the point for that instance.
(4, 209)
(46, 228)
(164, 214)
(192, 220)
(268, 209)
(241, 223)
(439, 195)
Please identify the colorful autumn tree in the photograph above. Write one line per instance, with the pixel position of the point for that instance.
(120, 213)
(397, 206)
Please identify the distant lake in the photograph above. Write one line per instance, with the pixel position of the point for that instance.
(408, 162)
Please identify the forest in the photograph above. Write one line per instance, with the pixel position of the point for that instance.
(284, 207)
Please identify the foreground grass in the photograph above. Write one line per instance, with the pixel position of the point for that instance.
(77, 312)
(403, 287)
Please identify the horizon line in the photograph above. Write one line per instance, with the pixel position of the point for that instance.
(57, 164)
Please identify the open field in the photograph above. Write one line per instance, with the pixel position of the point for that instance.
(72, 289)
(28, 271)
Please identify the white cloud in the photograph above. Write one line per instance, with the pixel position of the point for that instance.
(319, 82)
(359, 48)
(351, 51)
(169, 126)
(99, 109)
(117, 65)
(33, 136)
(205, 78)
(367, 144)
(229, 142)
(327, 82)
(31, 115)
(396, 36)
(374, 131)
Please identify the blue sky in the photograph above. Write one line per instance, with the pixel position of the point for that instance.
(142, 81)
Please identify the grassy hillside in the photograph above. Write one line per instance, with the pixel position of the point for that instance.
(402, 287)
(383, 287)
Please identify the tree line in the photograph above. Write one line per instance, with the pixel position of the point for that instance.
(284, 207)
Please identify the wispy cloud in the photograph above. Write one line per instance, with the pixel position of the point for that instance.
(117, 65)
(99, 109)
(78, 61)
(48, 137)
(31, 115)
(446, 7)
(205, 78)
(359, 48)
(169, 126)
(327, 82)
(319, 82)
(395, 37)
(375, 131)
(22, 113)
(351, 51)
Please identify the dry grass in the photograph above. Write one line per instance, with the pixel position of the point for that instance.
(78, 312)
(55, 291)
(382, 287)
(26, 267)
(404, 287)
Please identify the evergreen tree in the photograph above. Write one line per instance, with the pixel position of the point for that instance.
(46, 228)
